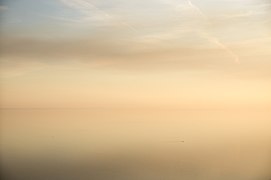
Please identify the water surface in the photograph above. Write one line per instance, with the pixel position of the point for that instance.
(135, 144)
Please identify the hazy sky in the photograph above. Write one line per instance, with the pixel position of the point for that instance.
(143, 53)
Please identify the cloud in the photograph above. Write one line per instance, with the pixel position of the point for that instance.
(212, 38)
(90, 12)
(127, 55)
(98, 48)
(182, 37)
(20, 56)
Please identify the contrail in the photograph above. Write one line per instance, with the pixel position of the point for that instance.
(211, 38)
(198, 9)
(221, 45)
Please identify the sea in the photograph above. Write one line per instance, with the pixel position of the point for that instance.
(135, 144)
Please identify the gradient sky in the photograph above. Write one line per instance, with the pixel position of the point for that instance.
(139, 53)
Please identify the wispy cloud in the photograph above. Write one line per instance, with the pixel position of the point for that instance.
(216, 41)
(101, 52)
(212, 38)
(89, 11)
(199, 24)
(186, 37)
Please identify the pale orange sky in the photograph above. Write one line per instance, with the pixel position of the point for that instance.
(172, 54)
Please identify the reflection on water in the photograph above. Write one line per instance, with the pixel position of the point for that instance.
(105, 144)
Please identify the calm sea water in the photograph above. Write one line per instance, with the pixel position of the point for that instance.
(106, 144)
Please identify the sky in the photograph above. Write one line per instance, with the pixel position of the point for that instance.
(188, 54)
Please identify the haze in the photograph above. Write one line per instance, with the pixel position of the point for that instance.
(135, 89)
(166, 53)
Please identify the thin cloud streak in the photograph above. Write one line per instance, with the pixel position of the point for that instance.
(87, 8)
(221, 45)
(21, 56)
(211, 38)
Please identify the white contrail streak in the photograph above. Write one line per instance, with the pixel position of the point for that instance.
(197, 9)
(221, 45)
(211, 38)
